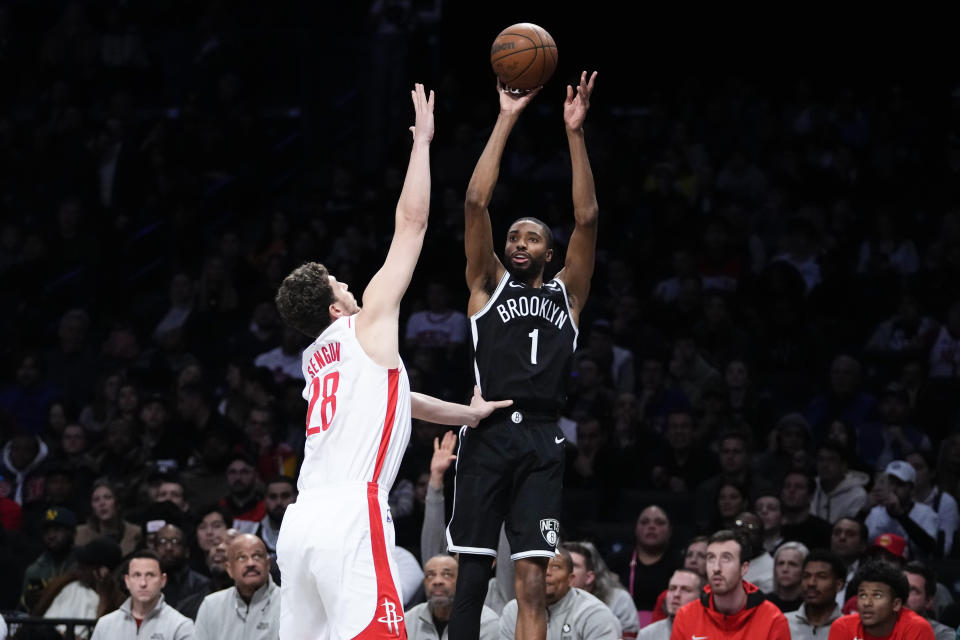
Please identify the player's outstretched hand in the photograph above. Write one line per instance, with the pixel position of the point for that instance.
(423, 107)
(482, 408)
(578, 102)
(443, 457)
(511, 102)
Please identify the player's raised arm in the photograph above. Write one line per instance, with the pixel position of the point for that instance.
(378, 323)
(484, 268)
(578, 268)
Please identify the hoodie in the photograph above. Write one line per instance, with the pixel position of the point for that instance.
(24, 489)
(845, 501)
(757, 620)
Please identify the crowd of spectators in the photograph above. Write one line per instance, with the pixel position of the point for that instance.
(772, 340)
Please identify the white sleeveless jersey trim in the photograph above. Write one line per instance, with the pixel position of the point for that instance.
(566, 301)
(358, 412)
(480, 314)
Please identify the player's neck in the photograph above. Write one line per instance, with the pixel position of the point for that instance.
(883, 629)
(730, 603)
(819, 615)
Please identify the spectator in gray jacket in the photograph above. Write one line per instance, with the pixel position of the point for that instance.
(251, 608)
(590, 573)
(144, 614)
(923, 589)
(822, 579)
(428, 620)
(572, 614)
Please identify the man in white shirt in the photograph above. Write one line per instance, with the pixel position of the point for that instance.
(899, 514)
(144, 614)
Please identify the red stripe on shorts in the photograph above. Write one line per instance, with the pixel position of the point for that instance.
(393, 379)
(387, 620)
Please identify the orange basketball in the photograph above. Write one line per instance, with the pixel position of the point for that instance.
(524, 56)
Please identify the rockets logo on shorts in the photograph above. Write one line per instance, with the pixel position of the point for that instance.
(390, 617)
(550, 529)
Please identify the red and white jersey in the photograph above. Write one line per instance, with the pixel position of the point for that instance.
(358, 413)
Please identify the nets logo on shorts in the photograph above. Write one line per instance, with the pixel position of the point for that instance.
(550, 529)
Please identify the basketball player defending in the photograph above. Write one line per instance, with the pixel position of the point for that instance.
(509, 469)
(335, 548)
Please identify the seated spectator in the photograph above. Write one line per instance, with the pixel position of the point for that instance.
(591, 574)
(22, 467)
(649, 566)
(89, 592)
(571, 612)
(439, 326)
(273, 455)
(891, 436)
(252, 605)
(844, 400)
(683, 463)
(798, 523)
(848, 540)
(244, 502)
(215, 562)
(105, 520)
(906, 333)
(730, 605)
(172, 548)
(281, 493)
(428, 620)
(733, 457)
(945, 352)
(283, 361)
(694, 559)
(731, 500)
(30, 394)
(788, 561)
(923, 589)
(170, 489)
(685, 586)
(145, 610)
(770, 512)
(121, 460)
(656, 399)
(163, 444)
(761, 570)
(882, 592)
(616, 361)
(895, 511)
(839, 491)
(57, 529)
(59, 489)
(926, 492)
(821, 583)
(213, 522)
(788, 451)
(592, 462)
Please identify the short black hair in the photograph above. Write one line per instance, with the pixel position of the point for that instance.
(726, 535)
(877, 571)
(285, 479)
(829, 557)
(861, 525)
(835, 447)
(142, 554)
(547, 232)
(929, 576)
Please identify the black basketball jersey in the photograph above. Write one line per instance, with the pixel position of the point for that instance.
(523, 343)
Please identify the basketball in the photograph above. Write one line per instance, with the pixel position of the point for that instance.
(524, 56)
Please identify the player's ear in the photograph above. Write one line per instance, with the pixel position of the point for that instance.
(335, 311)
(549, 255)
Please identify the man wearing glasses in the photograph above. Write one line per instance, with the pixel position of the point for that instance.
(170, 545)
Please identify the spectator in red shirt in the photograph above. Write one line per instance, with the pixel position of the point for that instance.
(881, 595)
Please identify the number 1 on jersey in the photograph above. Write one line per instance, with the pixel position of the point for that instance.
(534, 336)
(328, 408)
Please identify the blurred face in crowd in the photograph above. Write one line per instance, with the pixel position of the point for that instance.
(918, 600)
(736, 375)
(23, 449)
(831, 467)
(171, 492)
(74, 439)
(240, 477)
(559, 577)
(845, 540)
(653, 528)
(590, 436)
(733, 456)
(582, 577)
(279, 496)
(878, 606)
(153, 414)
(247, 563)
(679, 431)
(750, 525)
(844, 375)
(104, 504)
(145, 581)
(730, 501)
(171, 545)
(57, 539)
(696, 557)
(820, 586)
(795, 494)
(440, 581)
(683, 587)
(788, 568)
(768, 510)
(922, 469)
(211, 530)
(58, 487)
(725, 570)
(128, 398)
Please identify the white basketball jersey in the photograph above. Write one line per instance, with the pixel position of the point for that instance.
(358, 413)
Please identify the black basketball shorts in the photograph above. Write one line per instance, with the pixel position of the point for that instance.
(509, 469)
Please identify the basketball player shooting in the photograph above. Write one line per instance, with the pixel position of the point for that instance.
(510, 468)
(335, 545)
